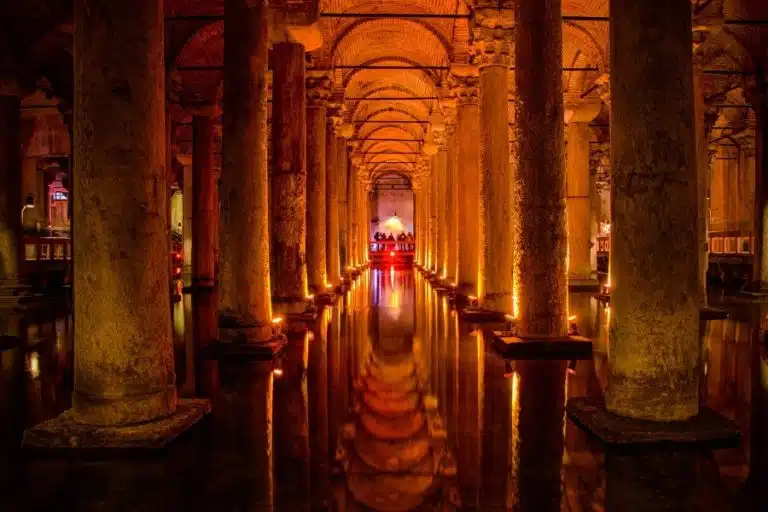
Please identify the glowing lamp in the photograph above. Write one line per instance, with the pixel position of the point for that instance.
(310, 297)
(572, 318)
(278, 372)
(277, 320)
(391, 253)
(509, 318)
(328, 286)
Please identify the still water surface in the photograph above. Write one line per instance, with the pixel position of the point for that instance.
(389, 403)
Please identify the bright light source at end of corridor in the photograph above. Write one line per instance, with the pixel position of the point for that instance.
(572, 318)
(277, 320)
(278, 372)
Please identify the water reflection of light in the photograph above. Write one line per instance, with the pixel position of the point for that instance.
(33, 365)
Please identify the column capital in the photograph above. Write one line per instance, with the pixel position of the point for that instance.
(492, 33)
(318, 89)
(466, 89)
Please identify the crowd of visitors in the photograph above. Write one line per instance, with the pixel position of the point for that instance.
(403, 241)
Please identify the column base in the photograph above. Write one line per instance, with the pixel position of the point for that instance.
(479, 314)
(580, 284)
(570, 348)
(708, 429)
(64, 432)
(238, 338)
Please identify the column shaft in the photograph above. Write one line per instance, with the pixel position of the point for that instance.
(352, 221)
(316, 198)
(203, 213)
(495, 239)
(577, 200)
(342, 162)
(654, 332)
(452, 210)
(10, 185)
(244, 289)
(332, 207)
(468, 122)
(289, 176)
(543, 307)
(187, 227)
(124, 371)
(760, 255)
(441, 159)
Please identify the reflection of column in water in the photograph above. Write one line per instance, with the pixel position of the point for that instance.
(292, 425)
(497, 440)
(442, 353)
(539, 434)
(336, 388)
(758, 438)
(469, 424)
(434, 374)
(452, 383)
(317, 379)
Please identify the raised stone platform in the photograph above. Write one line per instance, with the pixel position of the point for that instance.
(583, 285)
(64, 432)
(261, 351)
(561, 348)
(707, 429)
(481, 315)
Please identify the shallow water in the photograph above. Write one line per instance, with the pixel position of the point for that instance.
(389, 403)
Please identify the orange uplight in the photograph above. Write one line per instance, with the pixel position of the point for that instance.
(391, 253)
(278, 372)
(572, 318)
(277, 320)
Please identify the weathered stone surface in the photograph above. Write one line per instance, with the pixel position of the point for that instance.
(540, 180)
(654, 333)
(288, 207)
(10, 185)
(333, 260)
(578, 201)
(204, 207)
(244, 291)
(66, 432)
(494, 281)
(316, 192)
(124, 370)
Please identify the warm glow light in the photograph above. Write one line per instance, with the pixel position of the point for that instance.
(572, 318)
(310, 297)
(33, 365)
(328, 286)
(391, 253)
(510, 317)
(310, 336)
(278, 372)
(277, 320)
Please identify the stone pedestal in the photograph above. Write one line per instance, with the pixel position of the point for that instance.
(204, 208)
(288, 182)
(468, 157)
(332, 207)
(10, 186)
(495, 235)
(578, 201)
(543, 306)
(655, 346)
(318, 91)
(244, 289)
(125, 390)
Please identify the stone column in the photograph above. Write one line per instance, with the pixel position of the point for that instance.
(244, 289)
(352, 213)
(441, 219)
(433, 202)
(654, 332)
(124, 372)
(333, 260)
(318, 92)
(451, 205)
(468, 157)
(543, 297)
(492, 48)
(578, 201)
(760, 255)
(10, 182)
(189, 202)
(203, 206)
(289, 178)
(342, 159)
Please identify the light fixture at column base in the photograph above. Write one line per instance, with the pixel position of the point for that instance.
(708, 429)
(64, 433)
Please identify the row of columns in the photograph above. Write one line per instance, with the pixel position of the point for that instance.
(519, 246)
(124, 371)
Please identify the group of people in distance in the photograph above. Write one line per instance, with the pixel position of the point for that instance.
(405, 241)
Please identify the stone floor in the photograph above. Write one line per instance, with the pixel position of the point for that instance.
(390, 403)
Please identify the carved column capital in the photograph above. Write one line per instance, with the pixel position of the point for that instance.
(318, 90)
(492, 33)
(466, 89)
